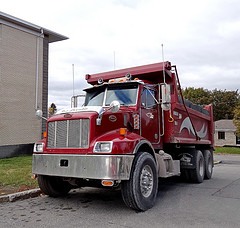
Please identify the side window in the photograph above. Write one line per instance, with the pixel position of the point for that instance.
(148, 100)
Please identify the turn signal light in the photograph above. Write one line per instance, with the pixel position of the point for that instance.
(107, 182)
(136, 121)
(123, 131)
(44, 134)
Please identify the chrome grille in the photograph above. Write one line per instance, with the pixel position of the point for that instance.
(68, 134)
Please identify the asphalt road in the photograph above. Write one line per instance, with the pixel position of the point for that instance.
(214, 203)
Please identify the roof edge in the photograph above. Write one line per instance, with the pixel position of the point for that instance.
(53, 36)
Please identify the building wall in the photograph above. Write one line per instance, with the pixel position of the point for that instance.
(18, 56)
(230, 139)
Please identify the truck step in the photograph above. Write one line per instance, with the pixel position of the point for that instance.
(167, 167)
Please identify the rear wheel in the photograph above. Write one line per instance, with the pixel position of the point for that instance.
(53, 186)
(197, 174)
(208, 157)
(140, 191)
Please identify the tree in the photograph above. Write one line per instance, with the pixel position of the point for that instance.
(198, 96)
(236, 120)
(224, 103)
(52, 109)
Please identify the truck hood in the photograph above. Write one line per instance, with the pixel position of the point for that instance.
(97, 109)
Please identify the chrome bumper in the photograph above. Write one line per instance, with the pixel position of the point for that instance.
(109, 167)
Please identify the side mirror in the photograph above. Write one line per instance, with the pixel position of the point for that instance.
(166, 96)
(39, 114)
(115, 106)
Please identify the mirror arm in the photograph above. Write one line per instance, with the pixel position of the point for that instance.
(114, 104)
(44, 118)
(99, 119)
(100, 115)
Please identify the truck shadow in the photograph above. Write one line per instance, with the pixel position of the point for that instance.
(170, 184)
(105, 199)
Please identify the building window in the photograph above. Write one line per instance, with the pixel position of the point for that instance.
(221, 135)
(237, 140)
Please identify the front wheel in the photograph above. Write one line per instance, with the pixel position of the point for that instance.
(140, 191)
(53, 186)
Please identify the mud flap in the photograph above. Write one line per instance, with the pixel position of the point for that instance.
(188, 159)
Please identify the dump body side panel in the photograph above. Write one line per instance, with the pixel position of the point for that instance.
(180, 124)
(182, 130)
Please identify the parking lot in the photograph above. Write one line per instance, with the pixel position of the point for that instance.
(214, 203)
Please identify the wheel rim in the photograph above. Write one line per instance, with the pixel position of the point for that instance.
(210, 165)
(146, 181)
(201, 167)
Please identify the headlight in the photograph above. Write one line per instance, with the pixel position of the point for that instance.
(38, 147)
(103, 147)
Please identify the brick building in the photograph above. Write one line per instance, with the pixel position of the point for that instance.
(225, 133)
(23, 83)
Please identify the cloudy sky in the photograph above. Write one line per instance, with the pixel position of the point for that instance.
(201, 37)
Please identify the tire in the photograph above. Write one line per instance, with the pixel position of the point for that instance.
(140, 191)
(208, 157)
(197, 174)
(53, 186)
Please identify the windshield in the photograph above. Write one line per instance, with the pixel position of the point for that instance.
(94, 97)
(125, 94)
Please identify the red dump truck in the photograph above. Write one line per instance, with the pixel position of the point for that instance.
(134, 128)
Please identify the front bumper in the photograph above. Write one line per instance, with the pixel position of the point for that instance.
(107, 167)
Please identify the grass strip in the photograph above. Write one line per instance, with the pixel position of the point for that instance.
(227, 150)
(16, 171)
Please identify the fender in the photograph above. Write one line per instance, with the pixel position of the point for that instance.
(121, 144)
(145, 146)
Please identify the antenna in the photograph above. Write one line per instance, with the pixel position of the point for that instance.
(73, 77)
(164, 77)
(114, 66)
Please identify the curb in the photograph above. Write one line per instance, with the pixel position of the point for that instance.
(217, 162)
(20, 195)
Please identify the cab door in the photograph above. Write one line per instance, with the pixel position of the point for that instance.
(149, 115)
